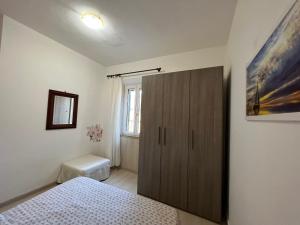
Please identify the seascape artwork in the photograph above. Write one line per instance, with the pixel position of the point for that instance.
(273, 77)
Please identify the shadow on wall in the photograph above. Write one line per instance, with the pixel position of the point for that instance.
(1, 25)
(227, 94)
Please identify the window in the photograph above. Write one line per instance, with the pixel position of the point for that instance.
(132, 109)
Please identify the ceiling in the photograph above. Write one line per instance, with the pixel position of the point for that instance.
(134, 29)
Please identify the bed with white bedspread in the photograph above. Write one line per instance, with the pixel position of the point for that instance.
(83, 201)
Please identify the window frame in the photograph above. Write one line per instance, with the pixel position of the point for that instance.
(137, 87)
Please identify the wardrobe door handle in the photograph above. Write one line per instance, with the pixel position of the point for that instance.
(165, 136)
(159, 134)
(192, 139)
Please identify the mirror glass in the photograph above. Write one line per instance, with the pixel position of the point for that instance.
(63, 110)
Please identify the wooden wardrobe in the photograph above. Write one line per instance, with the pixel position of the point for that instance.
(181, 154)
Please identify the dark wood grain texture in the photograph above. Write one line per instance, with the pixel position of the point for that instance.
(150, 137)
(206, 148)
(181, 161)
(175, 148)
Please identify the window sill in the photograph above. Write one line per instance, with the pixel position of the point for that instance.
(131, 136)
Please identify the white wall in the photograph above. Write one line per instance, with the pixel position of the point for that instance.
(130, 153)
(265, 156)
(1, 24)
(202, 58)
(184, 61)
(30, 65)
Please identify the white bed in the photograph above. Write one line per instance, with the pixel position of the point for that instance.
(83, 201)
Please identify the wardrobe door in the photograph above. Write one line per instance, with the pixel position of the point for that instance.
(150, 137)
(175, 139)
(206, 143)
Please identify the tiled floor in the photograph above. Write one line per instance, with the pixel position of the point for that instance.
(128, 181)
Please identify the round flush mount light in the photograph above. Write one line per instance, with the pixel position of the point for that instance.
(92, 21)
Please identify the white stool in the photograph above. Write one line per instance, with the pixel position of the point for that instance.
(91, 166)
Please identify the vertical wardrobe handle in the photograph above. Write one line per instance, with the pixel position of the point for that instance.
(165, 136)
(192, 139)
(159, 134)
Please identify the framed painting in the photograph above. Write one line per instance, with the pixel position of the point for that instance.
(273, 76)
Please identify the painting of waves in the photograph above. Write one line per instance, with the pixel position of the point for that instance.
(273, 77)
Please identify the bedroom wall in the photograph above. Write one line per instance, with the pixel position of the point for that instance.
(1, 24)
(30, 65)
(265, 156)
(183, 61)
(130, 153)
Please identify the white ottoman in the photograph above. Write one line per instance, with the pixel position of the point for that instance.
(91, 166)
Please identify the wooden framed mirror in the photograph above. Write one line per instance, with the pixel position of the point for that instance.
(62, 110)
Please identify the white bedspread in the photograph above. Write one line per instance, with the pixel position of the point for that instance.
(83, 201)
(91, 166)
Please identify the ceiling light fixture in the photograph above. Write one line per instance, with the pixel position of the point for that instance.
(92, 21)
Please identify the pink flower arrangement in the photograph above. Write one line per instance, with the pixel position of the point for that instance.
(95, 133)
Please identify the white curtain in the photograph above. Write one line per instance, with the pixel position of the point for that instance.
(116, 121)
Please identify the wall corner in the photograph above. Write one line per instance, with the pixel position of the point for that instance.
(1, 28)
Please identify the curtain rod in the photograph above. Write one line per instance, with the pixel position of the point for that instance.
(139, 71)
